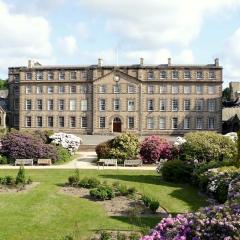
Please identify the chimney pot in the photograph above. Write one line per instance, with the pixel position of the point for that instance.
(100, 62)
(141, 61)
(169, 61)
(216, 62)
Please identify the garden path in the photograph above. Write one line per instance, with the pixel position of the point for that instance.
(84, 160)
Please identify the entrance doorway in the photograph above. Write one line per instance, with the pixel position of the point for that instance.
(117, 124)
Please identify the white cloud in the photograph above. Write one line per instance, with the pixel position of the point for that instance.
(68, 45)
(160, 56)
(155, 23)
(22, 37)
(231, 57)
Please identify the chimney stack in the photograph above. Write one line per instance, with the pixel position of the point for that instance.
(217, 62)
(30, 63)
(141, 61)
(100, 62)
(169, 61)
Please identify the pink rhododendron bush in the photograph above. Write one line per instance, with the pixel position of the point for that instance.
(219, 222)
(153, 148)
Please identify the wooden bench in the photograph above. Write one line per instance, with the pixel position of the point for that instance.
(24, 162)
(107, 162)
(44, 161)
(135, 162)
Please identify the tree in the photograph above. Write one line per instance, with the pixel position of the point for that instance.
(3, 84)
(226, 94)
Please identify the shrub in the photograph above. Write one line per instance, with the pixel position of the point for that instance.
(211, 223)
(43, 135)
(146, 200)
(134, 236)
(123, 190)
(102, 193)
(234, 189)
(7, 180)
(103, 149)
(218, 181)
(68, 141)
(121, 236)
(237, 161)
(74, 180)
(3, 160)
(104, 235)
(63, 155)
(153, 148)
(177, 171)
(21, 176)
(22, 145)
(203, 167)
(124, 146)
(207, 146)
(89, 182)
(154, 205)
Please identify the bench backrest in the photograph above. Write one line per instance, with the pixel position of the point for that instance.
(44, 160)
(113, 161)
(133, 161)
(26, 161)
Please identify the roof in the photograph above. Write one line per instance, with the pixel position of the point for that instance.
(228, 113)
(136, 66)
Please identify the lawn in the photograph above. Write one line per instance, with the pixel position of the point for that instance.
(44, 213)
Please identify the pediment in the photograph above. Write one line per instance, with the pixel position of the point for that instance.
(123, 77)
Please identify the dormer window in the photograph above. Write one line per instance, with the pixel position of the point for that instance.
(28, 76)
(212, 74)
(62, 75)
(163, 74)
(199, 74)
(187, 74)
(150, 75)
(50, 75)
(175, 74)
(39, 75)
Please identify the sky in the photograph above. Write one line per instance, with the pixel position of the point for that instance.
(121, 32)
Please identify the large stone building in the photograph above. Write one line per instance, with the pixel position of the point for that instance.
(100, 99)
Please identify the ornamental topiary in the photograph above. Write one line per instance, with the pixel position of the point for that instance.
(153, 148)
(207, 146)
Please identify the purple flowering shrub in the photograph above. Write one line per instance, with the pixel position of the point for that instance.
(153, 148)
(234, 189)
(220, 222)
(22, 145)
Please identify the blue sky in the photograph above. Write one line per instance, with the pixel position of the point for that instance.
(81, 31)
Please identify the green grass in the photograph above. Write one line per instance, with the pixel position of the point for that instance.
(44, 213)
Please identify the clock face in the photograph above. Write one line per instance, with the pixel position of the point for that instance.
(116, 78)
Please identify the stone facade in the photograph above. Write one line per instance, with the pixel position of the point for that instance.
(234, 90)
(97, 99)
